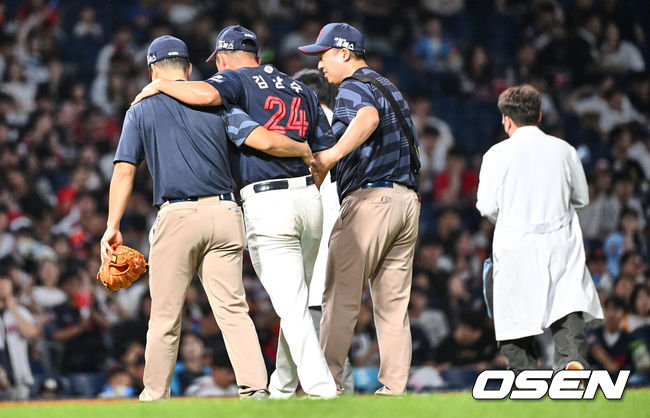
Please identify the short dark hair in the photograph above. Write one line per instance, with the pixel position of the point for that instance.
(431, 130)
(635, 294)
(615, 302)
(173, 63)
(627, 255)
(359, 55)
(315, 80)
(522, 104)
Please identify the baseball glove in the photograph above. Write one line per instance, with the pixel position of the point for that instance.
(125, 266)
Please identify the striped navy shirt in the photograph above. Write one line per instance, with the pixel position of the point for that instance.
(385, 154)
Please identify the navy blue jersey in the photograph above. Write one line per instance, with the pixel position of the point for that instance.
(186, 148)
(280, 104)
(385, 155)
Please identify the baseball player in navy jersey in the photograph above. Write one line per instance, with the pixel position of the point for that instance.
(374, 237)
(199, 227)
(282, 206)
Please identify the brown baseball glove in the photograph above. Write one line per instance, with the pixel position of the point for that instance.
(125, 266)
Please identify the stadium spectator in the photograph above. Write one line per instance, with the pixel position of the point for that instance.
(467, 346)
(17, 327)
(78, 327)
(456, 184)
(191, 364)
(640, 310)
(219, 382)
(364, 350)
(618, 55)
(432, 322)
(436, 51)
(118, 385)
(48, 294)
(609, 345)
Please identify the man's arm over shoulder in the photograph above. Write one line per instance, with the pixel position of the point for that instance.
(242, 130)
(229, 87)
(579, 188)
(224, 88)
(488, 186)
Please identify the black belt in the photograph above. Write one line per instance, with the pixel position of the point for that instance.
(278, 185)
(374, 184)
(227, 196)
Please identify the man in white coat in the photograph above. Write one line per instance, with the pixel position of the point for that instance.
(530, 186)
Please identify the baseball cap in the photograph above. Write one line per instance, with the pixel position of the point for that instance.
(166, 47)
(232, 38)
(336, 35)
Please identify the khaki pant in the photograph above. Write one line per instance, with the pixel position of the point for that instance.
(373, 239)
(205, 237)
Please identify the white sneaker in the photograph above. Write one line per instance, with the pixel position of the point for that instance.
(145, 397)
(278, 394)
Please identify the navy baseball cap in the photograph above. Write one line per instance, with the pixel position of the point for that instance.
(336, 35)
(166, 47)
(232, 38)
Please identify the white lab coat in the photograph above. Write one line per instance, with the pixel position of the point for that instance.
(530, 186)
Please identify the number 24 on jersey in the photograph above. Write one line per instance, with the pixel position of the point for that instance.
(297, 116)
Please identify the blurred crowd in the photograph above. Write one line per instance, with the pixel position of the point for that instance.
(69, 70)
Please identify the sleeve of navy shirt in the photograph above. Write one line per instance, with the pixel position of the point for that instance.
(130, 148)
(230, 87)
(352, 96)
(238, 125)
(322, 136)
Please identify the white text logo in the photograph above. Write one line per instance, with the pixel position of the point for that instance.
(343, 43)
(226, 45)
(565, 384)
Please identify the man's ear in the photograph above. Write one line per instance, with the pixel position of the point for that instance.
(189, 71)
(540, 117)
(345, 54)
(259, 60)
(506, 123)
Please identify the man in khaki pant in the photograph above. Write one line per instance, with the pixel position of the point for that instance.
(374, 237)
(199, 227)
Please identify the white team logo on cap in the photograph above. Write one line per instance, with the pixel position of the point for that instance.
(151, 58)
(226, 45)
(268, 69)
(343, 43)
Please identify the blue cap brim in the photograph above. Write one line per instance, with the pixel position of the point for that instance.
(313, 49)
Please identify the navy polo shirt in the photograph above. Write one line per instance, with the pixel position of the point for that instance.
(186, 148)
(385, 155)
(280, 104)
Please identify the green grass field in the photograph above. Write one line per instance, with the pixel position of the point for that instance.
(635, 403)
